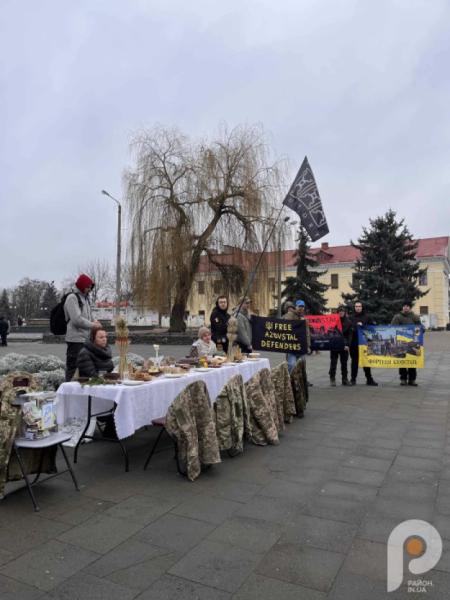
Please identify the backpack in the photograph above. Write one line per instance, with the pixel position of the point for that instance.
(58, 323)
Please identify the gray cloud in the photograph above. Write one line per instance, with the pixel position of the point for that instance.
(360, 87)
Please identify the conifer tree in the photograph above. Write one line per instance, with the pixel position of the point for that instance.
(49, 299)
(306, 285)
(386, 274)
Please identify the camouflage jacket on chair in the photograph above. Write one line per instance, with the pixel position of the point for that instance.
(268, 390)
(189, 420)
(10, 423)
(231, 416)
(263, 429)
(299, 387)
(283, 392)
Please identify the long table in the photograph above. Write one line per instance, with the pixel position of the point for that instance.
(136, 406)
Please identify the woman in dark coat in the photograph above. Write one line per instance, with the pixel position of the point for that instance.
(219, 323)
(95, 356)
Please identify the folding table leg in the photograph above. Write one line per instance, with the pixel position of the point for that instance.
(69, 467)
(75, 453)
(27, 481)
(152, 451)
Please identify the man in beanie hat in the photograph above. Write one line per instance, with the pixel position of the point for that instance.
(77, 311)
(407, 317)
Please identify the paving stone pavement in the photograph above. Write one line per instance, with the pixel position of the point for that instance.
(308, 519)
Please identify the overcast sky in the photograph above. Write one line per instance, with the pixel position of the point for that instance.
(361, 87)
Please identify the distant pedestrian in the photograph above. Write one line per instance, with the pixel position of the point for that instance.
(341, 355)
(407, 317)
(219, 320)
(359, 318)
(77, 311)
(4, 330)
(19, 321)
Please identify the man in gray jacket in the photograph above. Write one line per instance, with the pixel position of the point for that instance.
(407, 317)
(244, 326)
(77, 311)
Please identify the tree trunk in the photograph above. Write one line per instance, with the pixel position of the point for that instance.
(177, 322)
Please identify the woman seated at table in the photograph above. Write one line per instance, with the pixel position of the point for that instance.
(95, 356)
(204, 346)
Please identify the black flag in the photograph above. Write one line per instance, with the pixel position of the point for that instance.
(304, 199)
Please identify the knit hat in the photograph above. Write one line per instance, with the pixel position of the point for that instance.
(300, 303)
(83, 282)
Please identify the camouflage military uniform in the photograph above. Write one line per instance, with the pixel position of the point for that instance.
(189, 421)
(263, 429)
(299, 387)
(231, 416)
(268, 390)
(283, 392)
(10, 422)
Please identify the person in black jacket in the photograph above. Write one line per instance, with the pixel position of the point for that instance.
(4, 330)
(359, 318)
(219, 322)
(95, 356)
(341, 354)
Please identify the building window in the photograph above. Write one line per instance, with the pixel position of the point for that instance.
(201, 313)
(218, 286)
(334, 281)
(423, 310)
(423, 279)
(201, 287)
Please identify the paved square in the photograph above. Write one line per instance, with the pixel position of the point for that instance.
(306, 519)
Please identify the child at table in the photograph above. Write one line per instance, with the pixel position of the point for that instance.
(204, 346)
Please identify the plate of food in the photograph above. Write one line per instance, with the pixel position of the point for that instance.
(132, 382)
(203, 369)
(254, 355)
(174, 375)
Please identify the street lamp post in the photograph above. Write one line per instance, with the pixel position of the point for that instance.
(119, 247)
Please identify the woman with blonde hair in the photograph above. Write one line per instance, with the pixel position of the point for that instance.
(204, 346)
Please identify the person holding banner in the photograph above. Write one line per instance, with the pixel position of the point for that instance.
(359, 319)
(407, 317)
(341, 355)
(296, 313)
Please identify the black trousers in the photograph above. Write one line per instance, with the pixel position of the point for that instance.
(334, 356)
(354, 354)
(73, 349)
(407, 374)
(4, 339)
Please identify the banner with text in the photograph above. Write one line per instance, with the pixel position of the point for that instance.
(391, 346)
(326, 332)
(278, 335)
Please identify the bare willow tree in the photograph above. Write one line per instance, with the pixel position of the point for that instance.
(189, 199)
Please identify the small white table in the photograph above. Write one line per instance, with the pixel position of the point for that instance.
(134, 407)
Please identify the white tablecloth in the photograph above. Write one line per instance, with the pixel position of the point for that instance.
(138, 405)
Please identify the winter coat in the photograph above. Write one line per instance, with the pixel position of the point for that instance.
(244, 329)
(79, 321)
(219, 321)
(92, 359)
(201, 348)
(347, 329)
(292, 315)
(4, 327)
(402, 318)
(356, 318)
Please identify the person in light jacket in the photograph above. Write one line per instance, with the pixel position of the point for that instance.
(244, 327)
(77, 311)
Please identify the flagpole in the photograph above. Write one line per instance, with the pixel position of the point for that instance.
(258, 262)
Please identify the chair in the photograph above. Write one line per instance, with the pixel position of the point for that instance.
(231, 416)
(263, 429)
(161, 424)
(190, 425)
(54, 440)
(283, 392)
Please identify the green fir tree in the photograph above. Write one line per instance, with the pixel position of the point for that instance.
(386, 273)
(49, 299)
(306, 285)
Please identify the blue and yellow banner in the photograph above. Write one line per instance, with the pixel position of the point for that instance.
(391, 346)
